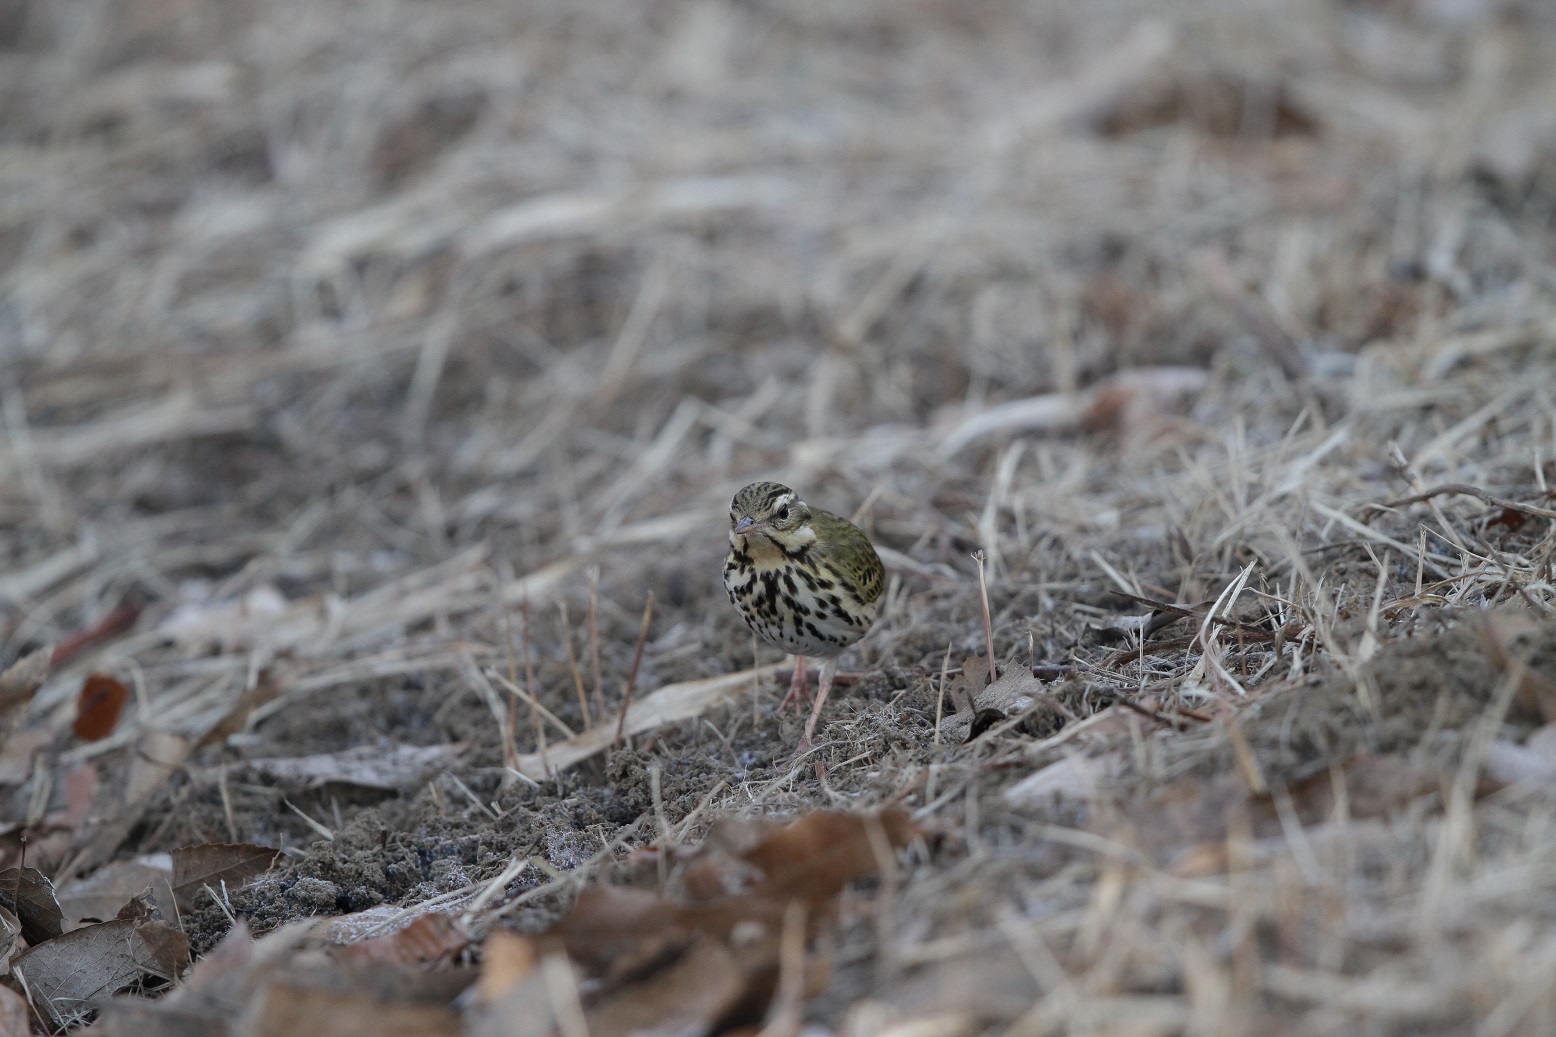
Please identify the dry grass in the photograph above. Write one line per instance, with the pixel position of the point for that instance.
(334, 337)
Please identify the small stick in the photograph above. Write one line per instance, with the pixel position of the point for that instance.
(594, 639)
(529, 684)
(572, 662)
(632, 678)
(1469, 491)
(510, 748)
(988, 627)
(945, 667)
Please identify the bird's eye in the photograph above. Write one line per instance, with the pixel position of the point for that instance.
(782, 513)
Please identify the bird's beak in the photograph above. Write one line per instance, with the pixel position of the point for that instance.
(745, 525)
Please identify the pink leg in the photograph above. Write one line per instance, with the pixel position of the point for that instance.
(796, 687)
(828, 668)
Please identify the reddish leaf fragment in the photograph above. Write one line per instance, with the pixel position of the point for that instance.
(98, 707)
(117, 621)
(429, 940)
(1513, 520)
(212, 864)
(30, 895)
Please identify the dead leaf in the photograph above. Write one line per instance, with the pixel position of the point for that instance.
(392, 769)
(698, 988)
(1016, 692)
(215, 865)
(98, 707)
(212, 995)
(679, 966)
(30, 896)
(70, 972)
(615, 930)
(266, 689)
(155, 758)
(15, 1019)
(817, 854)
(169, 947)
(511, 994)
(286, 1009)
(506, 958)
(102, 894)
(429, 940)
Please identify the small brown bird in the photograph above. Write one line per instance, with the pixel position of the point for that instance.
(806, 580)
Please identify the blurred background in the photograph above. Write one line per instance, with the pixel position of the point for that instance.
(304, 298)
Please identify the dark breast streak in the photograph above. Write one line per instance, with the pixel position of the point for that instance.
(795, 605)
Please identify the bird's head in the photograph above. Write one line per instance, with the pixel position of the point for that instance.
(766, 516)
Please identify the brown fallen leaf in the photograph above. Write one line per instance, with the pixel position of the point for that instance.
(215, 865)
(710, 954)
(102, 894)
(98, 707)
(816, 855)
(284, 1009)
(210, 997)
(156, 757)
(1016, 692)
(266, 689)
(69, 973)
(169, 947)
(15, 1019)
(431, 939)
(30, 896)
(512, 995)
(617, 931)
(702, 986)
(506, 958)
